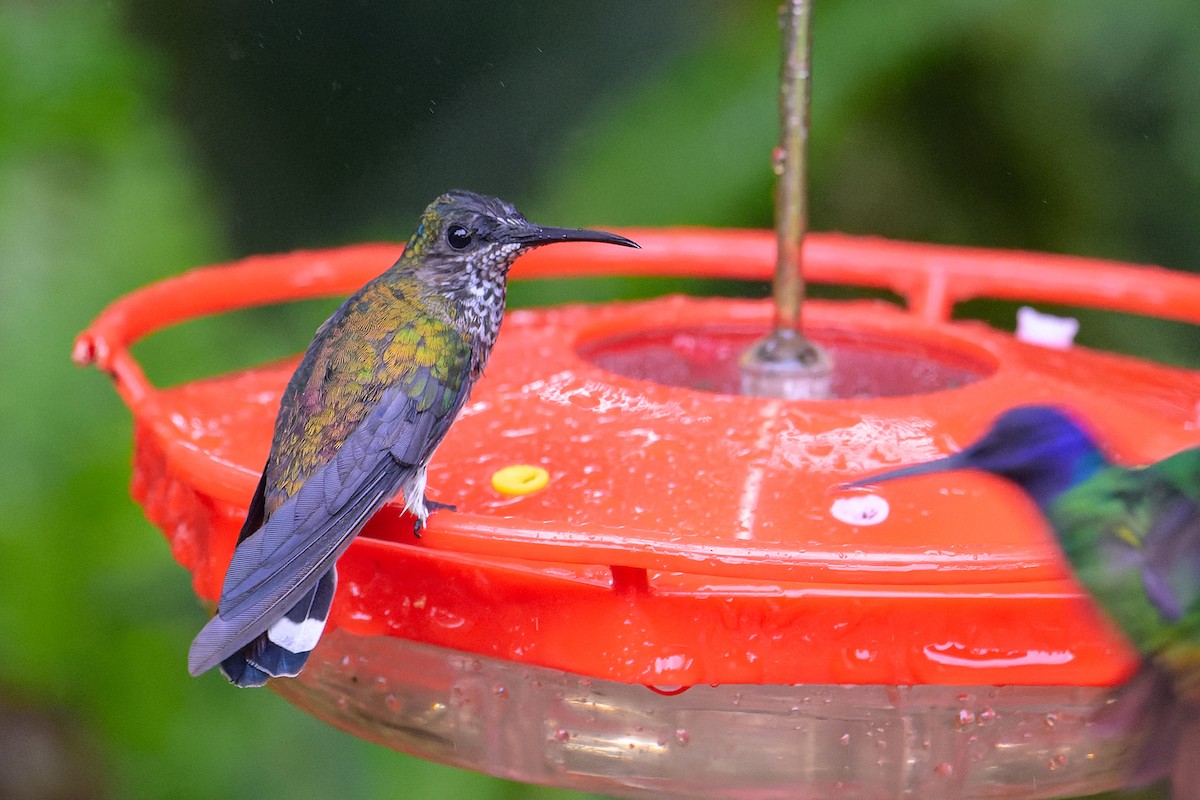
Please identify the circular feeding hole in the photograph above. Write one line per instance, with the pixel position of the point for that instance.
(865, 364)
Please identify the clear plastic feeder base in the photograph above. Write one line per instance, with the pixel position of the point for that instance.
(551, 727)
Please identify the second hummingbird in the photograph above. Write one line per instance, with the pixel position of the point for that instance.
(374, 395)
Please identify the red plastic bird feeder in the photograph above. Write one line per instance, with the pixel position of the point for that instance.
(688, 606)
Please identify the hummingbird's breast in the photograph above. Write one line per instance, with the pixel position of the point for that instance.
(480, 302)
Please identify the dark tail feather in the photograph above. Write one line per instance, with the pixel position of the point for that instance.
(241, 672)
(1150, 704)
(282, 650)
(1185, 780)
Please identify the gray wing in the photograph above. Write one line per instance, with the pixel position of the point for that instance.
(1171, 553)
(276, 565)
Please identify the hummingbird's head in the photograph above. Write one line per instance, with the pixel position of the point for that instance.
(466, 243)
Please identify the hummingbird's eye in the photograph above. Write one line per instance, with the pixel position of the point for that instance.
(458, 237)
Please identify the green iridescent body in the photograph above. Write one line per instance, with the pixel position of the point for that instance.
(1133, 539)
(389, 334)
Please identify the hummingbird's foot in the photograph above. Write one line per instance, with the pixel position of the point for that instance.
(430, 506)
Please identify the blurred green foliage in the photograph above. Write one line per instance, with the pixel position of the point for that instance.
(138, 139)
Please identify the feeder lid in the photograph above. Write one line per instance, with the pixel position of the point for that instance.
(618, 522)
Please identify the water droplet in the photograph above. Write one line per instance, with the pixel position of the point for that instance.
(944, 769)
(562, 735)
(844, 740)
(778, 160)
(682, 736)
(965, 717)
(1051, 720)
(500, 691)
(392, 702)
(446, 619)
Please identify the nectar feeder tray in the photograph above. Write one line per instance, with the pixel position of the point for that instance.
(675, 598)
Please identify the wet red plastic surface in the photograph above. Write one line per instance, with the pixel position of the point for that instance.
(687, 536)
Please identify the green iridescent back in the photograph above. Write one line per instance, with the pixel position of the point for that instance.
(1133, 538)
(390, 333)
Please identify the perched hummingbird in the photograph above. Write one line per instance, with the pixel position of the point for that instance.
(377, 389)
(1132, 537)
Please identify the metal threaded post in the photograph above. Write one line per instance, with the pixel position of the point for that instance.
(785, 364)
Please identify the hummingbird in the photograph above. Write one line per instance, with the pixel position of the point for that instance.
(377, 389)
(1132, 538)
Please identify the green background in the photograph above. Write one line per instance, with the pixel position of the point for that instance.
(139, 138)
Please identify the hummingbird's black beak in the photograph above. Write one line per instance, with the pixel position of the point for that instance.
(535, 235)
(943, 464)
